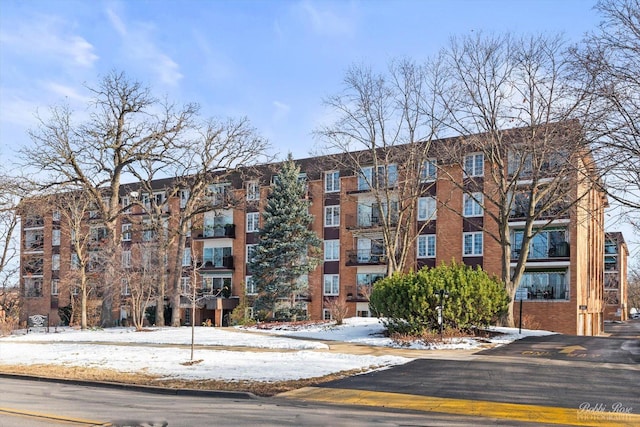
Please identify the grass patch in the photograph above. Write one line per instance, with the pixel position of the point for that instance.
(259, 388)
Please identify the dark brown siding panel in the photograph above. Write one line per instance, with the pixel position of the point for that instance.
(332, 267)
(331, 233)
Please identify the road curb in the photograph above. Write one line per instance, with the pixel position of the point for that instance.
(136, 387)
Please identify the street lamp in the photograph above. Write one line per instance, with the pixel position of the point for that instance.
(442, 293)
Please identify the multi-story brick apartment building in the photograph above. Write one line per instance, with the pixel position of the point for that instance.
(616, 253)
(562, 288)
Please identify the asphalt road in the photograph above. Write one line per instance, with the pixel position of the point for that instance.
(560, 380)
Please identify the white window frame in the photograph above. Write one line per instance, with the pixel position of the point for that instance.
(250, 287)
(126, 232)
(332, 250)
(331, 285)
(55, 262)
(472, 205)
(326, 314)
(55, 286)
(332, 181)
(425, 243)
(186, 257)
(55, 237)
(253, 190)
(471, 166)
(249, 248)
(253, 222)
(55, 215)
(126, 259)
(426, 208)
(428, 171)
(474, 236)
(125, 289)
(184, 197)
(185, 284)
(332, 216)
(75, 261)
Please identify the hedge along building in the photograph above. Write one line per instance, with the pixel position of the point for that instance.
(361, 208)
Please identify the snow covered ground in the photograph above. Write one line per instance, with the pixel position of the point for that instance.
(253, 354)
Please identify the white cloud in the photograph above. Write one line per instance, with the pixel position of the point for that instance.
(140, 47)
(281, 110)
(48, 37)
(328, 22)
(68, 92)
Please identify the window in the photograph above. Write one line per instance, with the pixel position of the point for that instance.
(426, 208)
(218, 257)
(331, 181)
(149, 233)
(55, 237)
(427, 246)
(251, 252)
(326, 314)
(55, 216)
(125, 202)
(250, 286)
(124, 287)
(98, 234)
(33, 287)
(428, 171)
(365, 282)
(126, 232)
(186, 257)
(331, 284)
(253, 190)
(219, 193)
(253, 221)
(546, 244)
(214, 284)
(332, 216)
(472, 243)
(184, 197)
(126, 259)
(473, 204)
(384, 176)
(75, 261)
(185, 284)
(55, 262)
(545, 285)
(332, 250)
(474, 165)
(55, 286)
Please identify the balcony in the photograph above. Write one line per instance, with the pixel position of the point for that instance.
(224, 263)
(217, 231)
(368, 221)
(365, 257)
(358, 293)
(34, 222)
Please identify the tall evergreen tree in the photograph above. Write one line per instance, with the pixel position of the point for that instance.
(287, 248)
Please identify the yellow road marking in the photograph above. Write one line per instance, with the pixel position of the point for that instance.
(477, 408)
(69, 420)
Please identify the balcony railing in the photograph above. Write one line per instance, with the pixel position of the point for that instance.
(559, 250)
(225, 263)
(34, 222)
(226, 230)
(363, 221)
(359, 257)
(358, 293)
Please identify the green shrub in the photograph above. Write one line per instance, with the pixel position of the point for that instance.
(408, 301)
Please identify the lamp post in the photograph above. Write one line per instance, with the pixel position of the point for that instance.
(442, 293)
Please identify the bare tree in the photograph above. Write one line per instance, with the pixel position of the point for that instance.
(205, 164)
(609, 59)
(142, 269)
(536, 173)
(126, 125)
(633, 289)
(383, 131)
(87, 240)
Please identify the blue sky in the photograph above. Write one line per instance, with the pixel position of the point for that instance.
(272, 61)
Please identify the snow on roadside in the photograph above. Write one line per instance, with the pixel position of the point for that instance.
(284, 357)
(203, 336)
